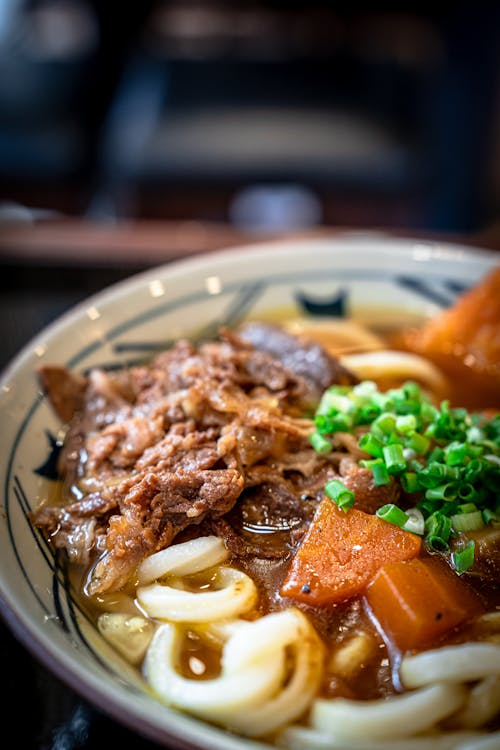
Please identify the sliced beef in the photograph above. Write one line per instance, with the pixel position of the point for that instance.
(301, 356)
(369, 496)
(267, 519)
(152, 514)
(152, 450)
(63, 388)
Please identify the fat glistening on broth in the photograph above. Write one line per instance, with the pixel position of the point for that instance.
(293, 531)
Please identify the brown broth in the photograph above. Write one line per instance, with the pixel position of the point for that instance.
(200, 660)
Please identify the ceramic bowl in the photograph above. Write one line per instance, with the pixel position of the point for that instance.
(341, 276)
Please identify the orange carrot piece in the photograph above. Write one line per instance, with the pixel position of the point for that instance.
(341, 553)
(418, 600)
(463, 342)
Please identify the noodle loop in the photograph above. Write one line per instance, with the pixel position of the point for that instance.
(255, 694)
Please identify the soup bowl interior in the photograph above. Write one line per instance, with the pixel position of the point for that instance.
(371, 279)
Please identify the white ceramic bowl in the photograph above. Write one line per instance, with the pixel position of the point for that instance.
(132, 319)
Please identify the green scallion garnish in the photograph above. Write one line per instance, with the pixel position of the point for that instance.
(446, 458)
(463, 559)
(319, 443)
(393, 514)
(338, 492)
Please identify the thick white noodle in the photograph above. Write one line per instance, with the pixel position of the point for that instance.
(271, 632)
(301, 738)
(337, 336)
(235, 593)
(400, 716)
(183, 559)
(218, 699)
(482, 705)
(271, 669)
(294, 699)
(464, 662)
(393, 364)
(253, 695)
(218, 632)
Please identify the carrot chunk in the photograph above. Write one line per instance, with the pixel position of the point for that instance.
(463, 341)
(341, 553)
(418, 600)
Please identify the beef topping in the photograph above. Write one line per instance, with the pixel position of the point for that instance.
(153, 450)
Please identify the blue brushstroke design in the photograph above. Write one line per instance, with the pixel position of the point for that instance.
(335, 307)
(235, 313)
(427, 290)
(49, 468)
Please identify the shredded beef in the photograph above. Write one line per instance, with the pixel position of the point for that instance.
(212, 435)
(66, 390)
(304, 357)
(369, 496)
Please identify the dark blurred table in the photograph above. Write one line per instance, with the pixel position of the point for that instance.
(45, 268)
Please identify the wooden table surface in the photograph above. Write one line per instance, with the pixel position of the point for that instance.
(72, 241)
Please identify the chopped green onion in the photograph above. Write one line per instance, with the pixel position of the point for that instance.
(378, 469)
(394, 458)
(467, 491)
(332, 399)
(435, 455)
(489, 516)
(443, 492)
(366, 414)
(473, 470)
(438, 525)
(320, 443)
(437, 543)
(409, 482)
(365, 389)
(393, 514)
(339, 493)
(447, 458)
(463, 559)
(475, 435)
(385, 423)
(415, 522)
(462, 522)
(406, 423)
(380, 473)
(371, 444)
(417, 442)
(455, 453)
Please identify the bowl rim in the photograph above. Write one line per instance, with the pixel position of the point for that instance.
(367, 242)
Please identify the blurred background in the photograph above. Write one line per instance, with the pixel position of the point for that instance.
(265, 115)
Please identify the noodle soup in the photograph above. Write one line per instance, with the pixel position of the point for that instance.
(291, 533)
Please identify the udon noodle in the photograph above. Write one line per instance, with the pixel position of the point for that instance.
(192, 490)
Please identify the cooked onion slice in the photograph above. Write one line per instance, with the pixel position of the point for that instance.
(400, 716)
(183, 559)
(235, 594)
(391, 364)
(461, 663)
(129, 635)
